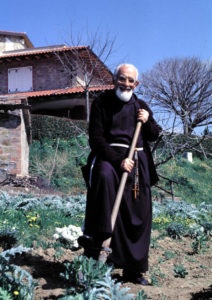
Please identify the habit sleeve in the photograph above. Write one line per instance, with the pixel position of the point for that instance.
(98, 134)
(150, 130)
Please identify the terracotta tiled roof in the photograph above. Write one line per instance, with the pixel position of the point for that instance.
(73, 90)
(42, 50)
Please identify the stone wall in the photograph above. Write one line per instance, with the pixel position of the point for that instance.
(14, 148)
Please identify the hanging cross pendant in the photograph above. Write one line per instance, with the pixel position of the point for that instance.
(135, 189)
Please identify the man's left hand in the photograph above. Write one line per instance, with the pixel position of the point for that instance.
(143, 115)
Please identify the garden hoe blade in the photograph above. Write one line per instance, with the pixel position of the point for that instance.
(106, 250)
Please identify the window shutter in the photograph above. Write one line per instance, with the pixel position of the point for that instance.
(20, 79)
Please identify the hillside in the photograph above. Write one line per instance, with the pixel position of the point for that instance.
(194, 180)
(59, 163)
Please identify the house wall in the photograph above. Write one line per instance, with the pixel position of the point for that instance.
(47, 73)
(9, 43)
(14, 148)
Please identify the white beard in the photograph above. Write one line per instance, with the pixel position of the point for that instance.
(124, 95)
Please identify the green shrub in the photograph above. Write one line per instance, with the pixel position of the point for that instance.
(59, 162)
(55, 127)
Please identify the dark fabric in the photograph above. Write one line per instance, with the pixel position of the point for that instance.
(106, 112)
(113, 121)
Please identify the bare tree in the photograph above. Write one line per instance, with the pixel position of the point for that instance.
(86, 65)
(181, 88)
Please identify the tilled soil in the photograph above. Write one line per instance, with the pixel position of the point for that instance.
(45, 267)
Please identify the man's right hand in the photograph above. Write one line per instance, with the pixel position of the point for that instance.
(127, 165)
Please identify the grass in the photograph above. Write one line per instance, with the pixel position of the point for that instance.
(194, 179)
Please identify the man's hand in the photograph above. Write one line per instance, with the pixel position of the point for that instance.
(143, 115)
(127, 165)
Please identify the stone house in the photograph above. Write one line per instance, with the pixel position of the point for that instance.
(54, 80)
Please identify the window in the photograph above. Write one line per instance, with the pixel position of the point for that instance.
(20, 79)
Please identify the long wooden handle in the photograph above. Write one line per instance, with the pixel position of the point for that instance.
(119, 195)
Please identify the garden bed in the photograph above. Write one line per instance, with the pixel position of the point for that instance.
(178, 268)
(45, 267)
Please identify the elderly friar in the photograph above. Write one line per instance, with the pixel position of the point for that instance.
(113, 119)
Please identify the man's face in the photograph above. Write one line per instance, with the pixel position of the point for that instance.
(125, 83)
(126, 79)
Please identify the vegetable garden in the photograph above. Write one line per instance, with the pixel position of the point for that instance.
(40, 258)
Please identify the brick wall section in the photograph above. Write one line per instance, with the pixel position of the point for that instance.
(48, 73)
(13, 143)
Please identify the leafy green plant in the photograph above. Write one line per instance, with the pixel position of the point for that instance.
(200, 236)
(84, 272)
(179, 271)
(169, 255)
(94, 281)
(141, 296)
(154, 279)
(109, 289)
(175, 230)
(4, 295)
(199, 243)
(156, 274)
(13, 279)
(87, 295)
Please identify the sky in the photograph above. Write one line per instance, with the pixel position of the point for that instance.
(145, 31)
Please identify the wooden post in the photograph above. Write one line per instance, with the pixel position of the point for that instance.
(172, 190)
